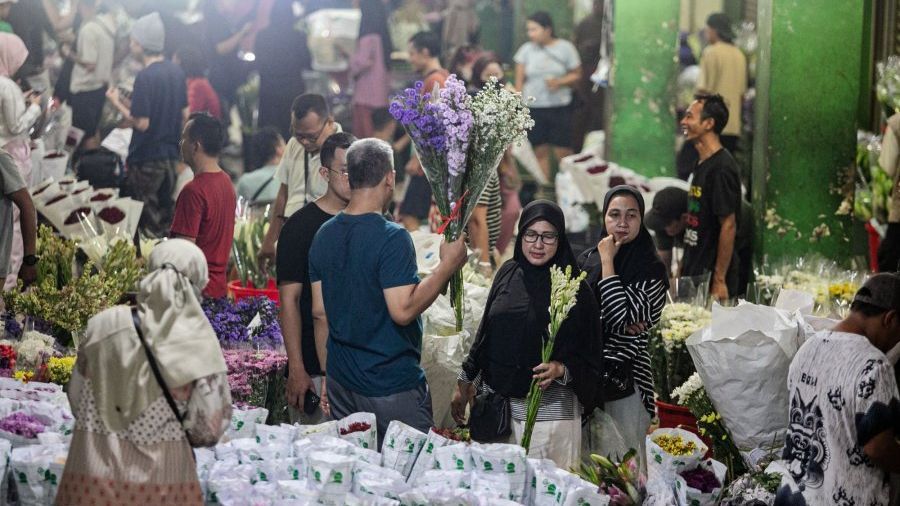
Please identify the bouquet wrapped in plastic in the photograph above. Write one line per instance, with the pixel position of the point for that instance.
(460, 140)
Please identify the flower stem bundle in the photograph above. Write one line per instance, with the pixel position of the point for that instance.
(563, 296)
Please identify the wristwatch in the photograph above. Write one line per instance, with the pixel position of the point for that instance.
(30, 260)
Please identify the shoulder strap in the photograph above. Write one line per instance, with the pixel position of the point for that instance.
(261, 189)
(154, 366)
(555, 58)
(305, 176)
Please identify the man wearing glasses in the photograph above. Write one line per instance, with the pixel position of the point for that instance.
(292, 267)
(298, 173)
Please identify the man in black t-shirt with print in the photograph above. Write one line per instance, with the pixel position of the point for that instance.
(292, 268)
(668, 217)
(714, 199)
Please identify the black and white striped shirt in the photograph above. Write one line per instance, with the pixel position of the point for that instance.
(622, 306)
(491, 198)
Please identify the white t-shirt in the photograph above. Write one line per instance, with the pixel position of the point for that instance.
(843, 393)
(545, 62)
(291, 172)
(96, 44)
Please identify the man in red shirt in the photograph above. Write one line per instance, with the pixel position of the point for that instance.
(204, 212)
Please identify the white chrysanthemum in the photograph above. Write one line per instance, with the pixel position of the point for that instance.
(682, 393)
(33, 346)
(679, 321)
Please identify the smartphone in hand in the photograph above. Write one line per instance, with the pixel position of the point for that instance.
(311, 402)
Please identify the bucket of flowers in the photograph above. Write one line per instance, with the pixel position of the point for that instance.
(250, 336)
(671, 363)
(249, 231)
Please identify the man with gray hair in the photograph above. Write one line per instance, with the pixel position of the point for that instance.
(364, 278)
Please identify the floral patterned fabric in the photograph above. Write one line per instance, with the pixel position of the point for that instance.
(151, 461)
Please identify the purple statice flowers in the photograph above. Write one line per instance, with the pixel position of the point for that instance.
(453, 110)
(23, 425)
(418, 114)
(231, 322)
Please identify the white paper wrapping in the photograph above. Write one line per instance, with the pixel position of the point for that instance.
(743, 360)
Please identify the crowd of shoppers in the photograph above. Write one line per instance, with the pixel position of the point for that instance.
(351, 297)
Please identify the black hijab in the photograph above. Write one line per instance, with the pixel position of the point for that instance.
(636, 261)
(514, 325)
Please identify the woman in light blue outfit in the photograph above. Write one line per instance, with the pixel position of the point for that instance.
(257, 186)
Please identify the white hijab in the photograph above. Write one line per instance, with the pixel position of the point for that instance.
(176, 330)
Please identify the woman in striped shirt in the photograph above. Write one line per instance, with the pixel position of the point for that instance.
(630, 282)
(506, 354)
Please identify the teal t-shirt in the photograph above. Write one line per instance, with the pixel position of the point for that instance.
(357, 257)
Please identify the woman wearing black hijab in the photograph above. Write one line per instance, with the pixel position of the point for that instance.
(506, 354)
(630, 282)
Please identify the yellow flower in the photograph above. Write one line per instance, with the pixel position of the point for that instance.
(675, 445)
(60, 369)
(24, 376)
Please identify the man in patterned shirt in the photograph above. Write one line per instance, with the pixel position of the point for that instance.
(845, 412)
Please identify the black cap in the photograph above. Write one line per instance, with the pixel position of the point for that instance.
(881, 290)
(668, 206)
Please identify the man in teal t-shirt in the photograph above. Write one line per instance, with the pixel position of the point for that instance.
(364, 278)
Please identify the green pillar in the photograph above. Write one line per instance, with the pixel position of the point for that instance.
(642, 126)
(807, 102)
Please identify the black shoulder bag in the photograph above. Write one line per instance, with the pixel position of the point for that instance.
(154, 366)
(490, 418)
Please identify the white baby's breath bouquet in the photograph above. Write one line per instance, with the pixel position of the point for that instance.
(563, 296)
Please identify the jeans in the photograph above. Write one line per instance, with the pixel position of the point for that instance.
(412, 407)
(152, 183)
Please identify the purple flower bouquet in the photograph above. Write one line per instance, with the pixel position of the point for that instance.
(460, 141)
(256, 379)
(249, 323)
(22, 424)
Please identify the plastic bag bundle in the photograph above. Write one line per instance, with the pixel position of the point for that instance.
(287, 469)
(688, 496)
(5, 450)
(442, 357)
(660, 460)
(425, 461)
(401, 447)
(37, 471)
(331, 475)
(503, 462)
(244, 422)
(550, 485)
(360, 429)
(379, 482)
(583, 493)
(275, 435)
(571, 201)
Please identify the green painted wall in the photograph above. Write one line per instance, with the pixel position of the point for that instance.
(807, 104)
(643, 124)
